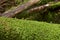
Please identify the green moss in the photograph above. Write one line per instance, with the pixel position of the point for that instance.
(55, 5)
(15, 29)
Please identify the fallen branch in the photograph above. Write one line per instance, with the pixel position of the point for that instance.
(38, 8)
(19, 8)
(49, 5)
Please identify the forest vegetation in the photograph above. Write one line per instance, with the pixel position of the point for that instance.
(30, 19)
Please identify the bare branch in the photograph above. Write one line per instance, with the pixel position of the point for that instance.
(38, 8)
(49, 5)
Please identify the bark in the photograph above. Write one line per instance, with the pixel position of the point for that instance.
(19, 8)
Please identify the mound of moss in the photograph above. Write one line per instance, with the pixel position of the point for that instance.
(15, 29)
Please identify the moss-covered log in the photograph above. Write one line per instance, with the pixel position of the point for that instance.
(15, 29)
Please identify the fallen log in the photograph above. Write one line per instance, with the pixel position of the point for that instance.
(19, 8)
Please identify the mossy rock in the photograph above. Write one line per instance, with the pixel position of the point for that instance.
(15, 29)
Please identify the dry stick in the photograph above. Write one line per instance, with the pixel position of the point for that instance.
(38, 8)
(19, 8)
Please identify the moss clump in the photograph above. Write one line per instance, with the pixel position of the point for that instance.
(15, 29)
